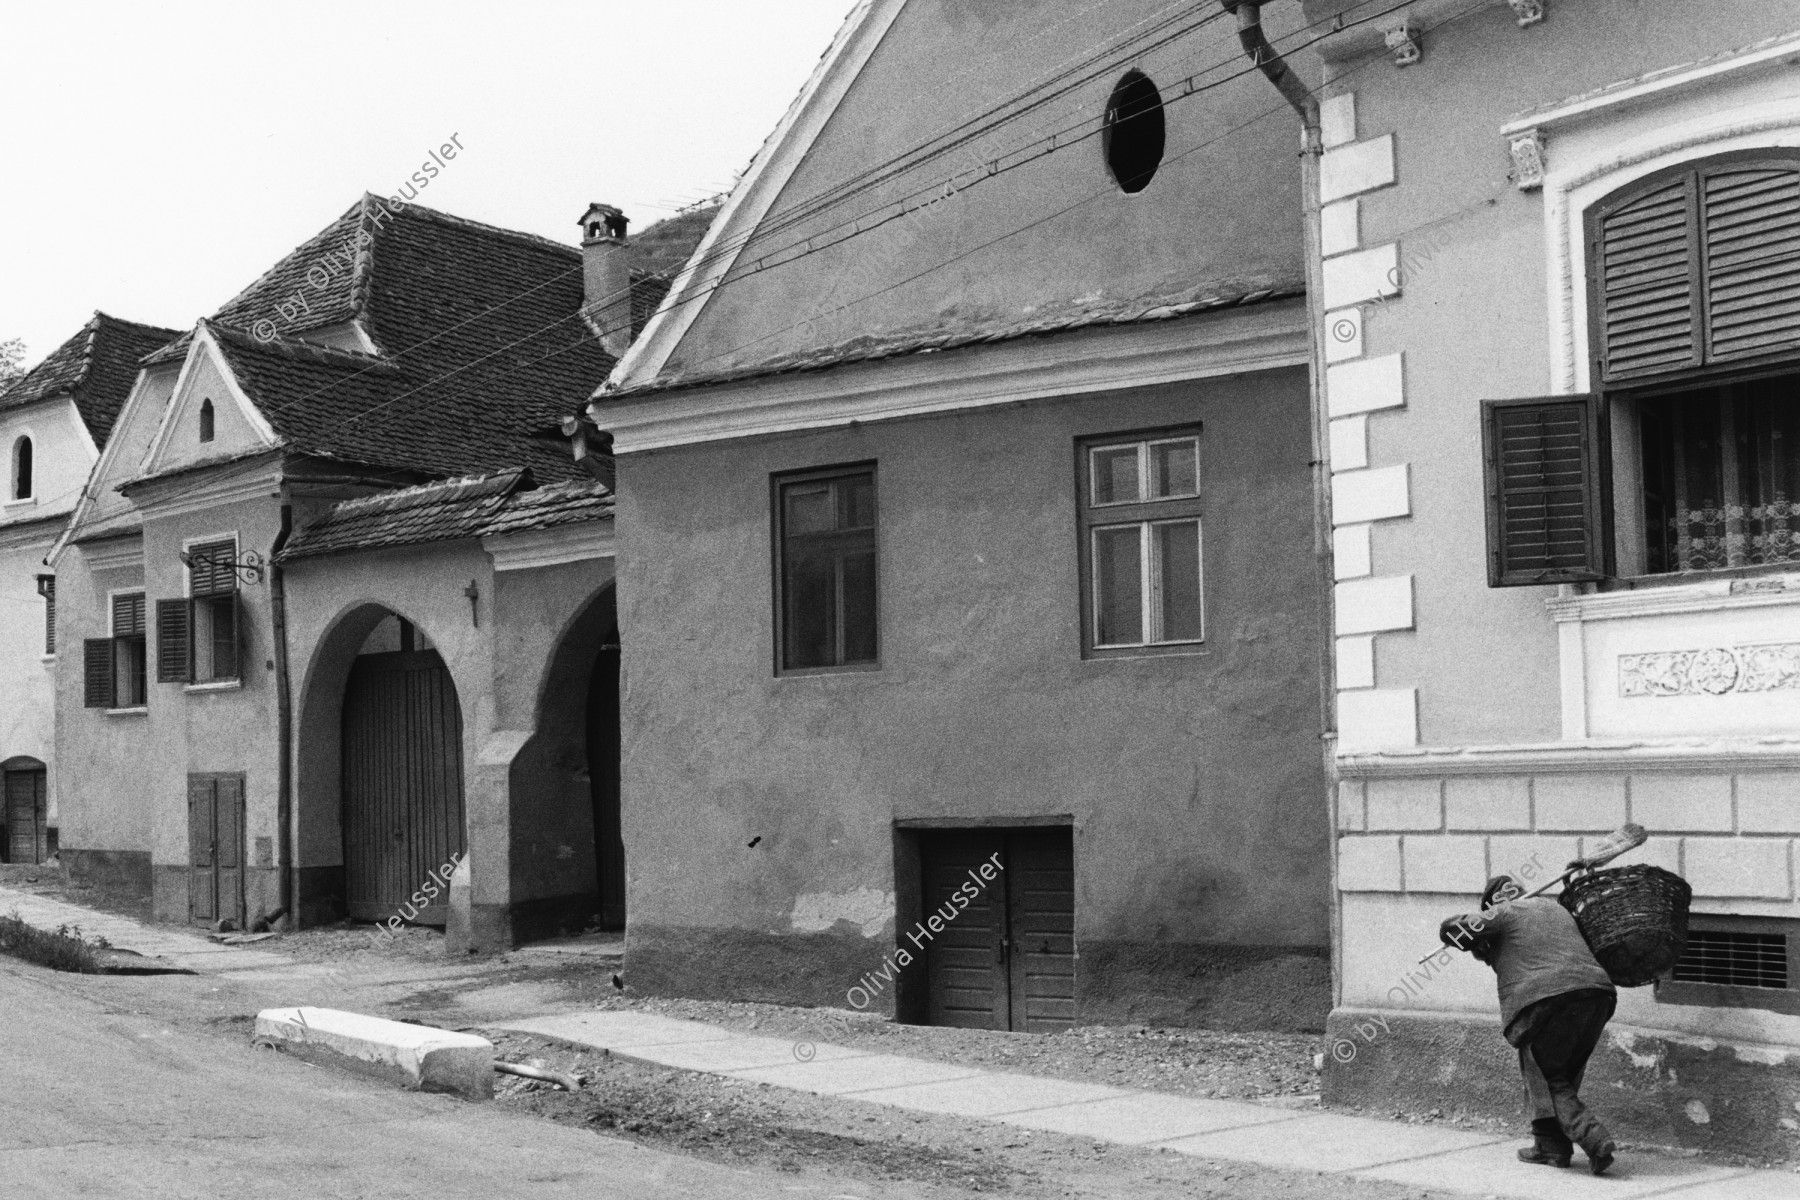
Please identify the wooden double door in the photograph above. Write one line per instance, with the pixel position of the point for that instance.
(27, 815)
(216, 849)
(1007, 960)
(402, 785)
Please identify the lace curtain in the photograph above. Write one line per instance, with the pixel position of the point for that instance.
(1722, 477)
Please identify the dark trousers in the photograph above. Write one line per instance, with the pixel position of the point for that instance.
(1559, 1035)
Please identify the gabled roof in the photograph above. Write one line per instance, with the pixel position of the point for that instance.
(478, 333)
(469, 507)
(96, 368)
(910, 203)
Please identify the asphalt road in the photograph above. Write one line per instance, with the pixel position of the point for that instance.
(101, 1098)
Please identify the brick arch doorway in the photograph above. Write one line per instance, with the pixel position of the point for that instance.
(401, 761)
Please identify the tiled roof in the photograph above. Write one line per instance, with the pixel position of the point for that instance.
(931, 340)
(98, 367)
(479, 335)
(470, 507)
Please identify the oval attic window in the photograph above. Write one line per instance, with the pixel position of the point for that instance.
(1133, 133)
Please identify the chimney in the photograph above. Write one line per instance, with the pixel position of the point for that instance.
(606, 276)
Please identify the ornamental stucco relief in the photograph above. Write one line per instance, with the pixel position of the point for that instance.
(1717, 671)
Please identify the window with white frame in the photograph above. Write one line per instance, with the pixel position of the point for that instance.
(114, 666)
(1142, 574)
(1685, 459)
(197, 637)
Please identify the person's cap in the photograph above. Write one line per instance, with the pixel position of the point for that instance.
(1493, 888)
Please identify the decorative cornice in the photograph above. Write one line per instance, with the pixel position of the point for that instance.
(1711, 595)
(1658, 85)
(1576, 757)
(117, 554)
(1073, 363)
(574, 542)
(180, 496)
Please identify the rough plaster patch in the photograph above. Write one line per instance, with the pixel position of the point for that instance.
(1765, 1056)
(1625, 1040)
(869, 908)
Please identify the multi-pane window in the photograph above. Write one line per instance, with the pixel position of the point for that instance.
(1140, 528)
(197, 638)
(826, 572)
(114, 666)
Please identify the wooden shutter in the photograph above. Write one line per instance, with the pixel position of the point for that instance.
(212, 573)
(1752, 259)
(128, 616)
(47, 589)
(172, 657)
(1545, 490)
(1697, 266)
(97, 672)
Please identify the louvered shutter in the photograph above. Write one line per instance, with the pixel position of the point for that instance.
(212, 573)
(128, 616)
(1752, 259)
(172, 656)
(47, 589)
(1646, 278)
(97, 672)
(1545, 490)
(1697, 267)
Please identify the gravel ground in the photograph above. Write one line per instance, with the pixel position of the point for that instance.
(1191, 1062)
(755, 1125)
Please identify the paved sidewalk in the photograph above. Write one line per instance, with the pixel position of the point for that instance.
(170, 946)
(1423, 1156)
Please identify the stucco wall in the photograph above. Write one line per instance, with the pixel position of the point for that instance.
(27, 678)
(1055, 234)
(1193, 781)
(1490, 307)
(1472, 321)
(528, 812)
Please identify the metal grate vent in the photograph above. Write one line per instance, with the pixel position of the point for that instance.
(1735, 959)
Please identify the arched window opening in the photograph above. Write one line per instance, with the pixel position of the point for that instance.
(1134, 134)
(206, 420)
(22, 456)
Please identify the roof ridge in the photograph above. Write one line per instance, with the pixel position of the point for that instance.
(276, 265)
(443, 217)
(144, 325)
(520, 480)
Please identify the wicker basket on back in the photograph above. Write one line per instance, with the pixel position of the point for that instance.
(1635, 919)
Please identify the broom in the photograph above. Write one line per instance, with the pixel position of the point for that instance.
(1625, 837)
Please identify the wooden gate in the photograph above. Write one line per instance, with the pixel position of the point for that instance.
(402, 784)
(216, 849)
(27, 816)
(1007, 960)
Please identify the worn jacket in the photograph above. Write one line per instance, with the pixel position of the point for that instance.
(1536, 950)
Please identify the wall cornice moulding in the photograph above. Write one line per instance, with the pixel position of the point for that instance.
(1081, 361)
(1555, 758)
(1712, 595)
(575, 542)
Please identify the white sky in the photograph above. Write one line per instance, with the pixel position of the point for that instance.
(157, 158)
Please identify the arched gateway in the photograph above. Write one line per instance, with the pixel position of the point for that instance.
(402, 777)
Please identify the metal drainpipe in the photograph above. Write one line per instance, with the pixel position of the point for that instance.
(284, 726)
(1265, 56)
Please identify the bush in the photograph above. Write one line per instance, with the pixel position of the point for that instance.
(63, 950)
